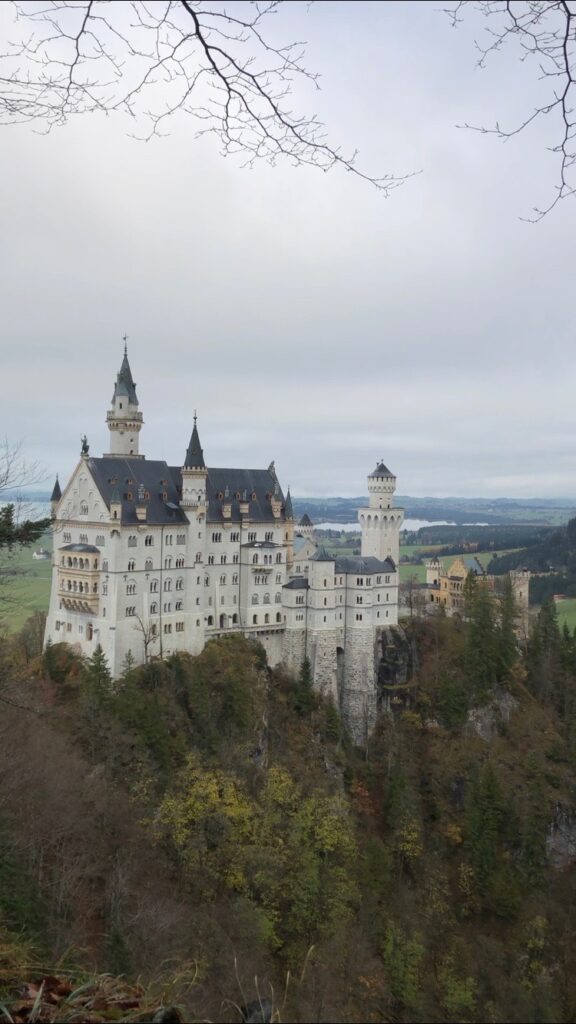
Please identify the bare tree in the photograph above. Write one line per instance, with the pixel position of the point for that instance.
(149, 635)
(16, 523)
(544, 32)
(152, 59)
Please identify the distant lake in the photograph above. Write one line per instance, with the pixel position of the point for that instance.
(409, 524)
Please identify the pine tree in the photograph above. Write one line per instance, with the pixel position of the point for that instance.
(304, 698)
(507, 643)
(332, 729)
(98, 673)
(481, 650)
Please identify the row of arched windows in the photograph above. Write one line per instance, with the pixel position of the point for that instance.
(78, 563)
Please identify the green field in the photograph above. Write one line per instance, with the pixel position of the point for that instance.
(28, 590)
(418, 572)
(567, 612)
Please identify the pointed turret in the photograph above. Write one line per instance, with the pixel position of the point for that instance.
(194, 473)
(124, 418)
(55, 496)
(194, 454)
(288, 510)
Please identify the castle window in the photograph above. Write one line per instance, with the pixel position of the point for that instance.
(68, 627)
(251, 537)
(386, 613)
(278, 577)
(222, 559)
(210, 620)
(130, 588)
(67, 538)
(149, 540)
(279, 558)
(254, 598)
(153, 586)
(179, 563)
(131, 566)
(100, 540)
(235, 536)
(359, 599)
(198, 556)
(154, 608)
(278, 599)
(235, 619)
(104, 589)
(278, 617)
(266, 599)
(235, 559)
(130, 611)
(128, 495)
(387, 596)
(83, 538)
(269, 535)
(235, 579)
(378, 596)
(360, 582)
(132, 541)
(325, 601)
(83, 508)
(254, 620)
(167, 584)
(179, 627)
(178, 606)
(148, 564)
(300, 599)
(254, 559)
(167, 607)
(206, 581)
(358, 618)
(197, 622)
(324, 618)
(378, 579)
(167, 563)
(216, 538)
(222, 581)
(179, 583)
(153, 629)
(167, 627)
(210, 559)
(266, 619)
(386, 579)
(180, 538)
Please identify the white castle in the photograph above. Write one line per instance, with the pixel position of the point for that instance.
(151, 559)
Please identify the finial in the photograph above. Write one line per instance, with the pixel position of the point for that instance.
(125, 339)
(195, 417)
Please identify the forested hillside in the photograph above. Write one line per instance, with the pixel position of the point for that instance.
(553, 560)
(203, 825)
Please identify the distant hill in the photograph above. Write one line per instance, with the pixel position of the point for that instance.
(492, 511)
(554, 556)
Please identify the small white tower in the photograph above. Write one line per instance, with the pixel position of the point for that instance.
(381, 522)
(124, 419)
(194, 475)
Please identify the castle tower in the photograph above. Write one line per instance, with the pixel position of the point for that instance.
(55, 496)
(381, 522)
(194, 474)
(124, 418)
(305, 527)
(434, 570)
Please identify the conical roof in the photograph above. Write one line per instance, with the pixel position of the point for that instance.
(322, 555)
(381, 470)
(288, 510)
(56, 493)
(305, 521)
(194, 454)
(125, 386)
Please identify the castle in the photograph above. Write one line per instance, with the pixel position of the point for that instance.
(149, 559)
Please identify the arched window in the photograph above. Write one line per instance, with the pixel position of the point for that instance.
(222, 581)
(104, 589)
(148, 564)
(83, 508)
(254, 598)
(210, 621)
(179, 606)
(235, 579)
(222, 559)
(131, 565)
(168, 563)
(266, 618)
(278, 559)
(89, 631)
(254, 620)
(198, 556)
(278, 577)
(278, 599)
(132, 541)
(153, 586)
(75, 563)
(167, 584)
(235, 619)
(154, 608)
(278, 617)
(131, 588)
(179, 583)
(266, 599)
(210, 559)
(105, 565)
(148, 540)
(254, 559)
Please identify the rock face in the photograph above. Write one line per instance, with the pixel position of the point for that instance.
(487, 720)
(397, 663)
(561, 838)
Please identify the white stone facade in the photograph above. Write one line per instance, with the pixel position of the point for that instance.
(151, 559)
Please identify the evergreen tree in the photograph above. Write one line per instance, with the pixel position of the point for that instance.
(507, 643)
(304, 698)
(481, 649)
(98, 673)
(332, 729)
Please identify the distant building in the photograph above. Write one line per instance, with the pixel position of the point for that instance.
(41, 555)
(445, 587)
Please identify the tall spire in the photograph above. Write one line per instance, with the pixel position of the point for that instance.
(288, 510)
(194, 455)
(125, 386)
(56, 493)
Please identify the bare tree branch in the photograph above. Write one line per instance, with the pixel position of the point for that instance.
(545, 32)
(153, 60)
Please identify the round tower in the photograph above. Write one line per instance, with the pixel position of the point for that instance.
(381, 522)
(124, 418)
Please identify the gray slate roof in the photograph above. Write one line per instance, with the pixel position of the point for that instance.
(368, 566)
(298, 583)
(126, 476)
(194, 456)
(322, 555)
(56, 493)
(381, 470)
(87, 549)
(305, 521)
(288, 510)
(235, 485)
(125, 385)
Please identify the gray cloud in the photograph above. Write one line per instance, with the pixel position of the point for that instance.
(306, 318)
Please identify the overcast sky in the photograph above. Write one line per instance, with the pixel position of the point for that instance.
(307, 319)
